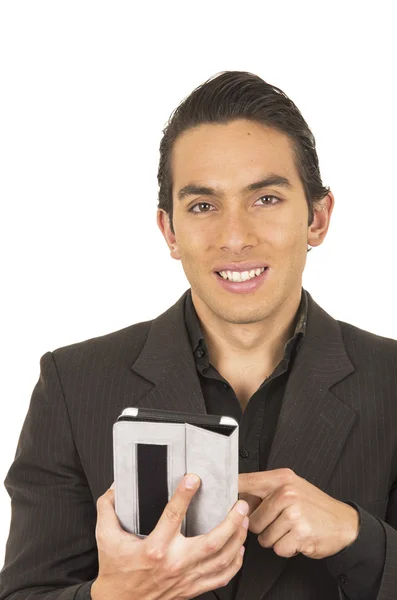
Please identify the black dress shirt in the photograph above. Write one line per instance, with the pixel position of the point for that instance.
(358, 568)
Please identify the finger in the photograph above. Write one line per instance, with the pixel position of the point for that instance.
(270, 509)
(107, 521)
(263, 483)
(172, 517)
(272, 534)
(213, 541)
(252, 501)
(226, 555)
(217, 580)
(287, 546)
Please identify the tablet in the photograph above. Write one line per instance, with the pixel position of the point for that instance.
(154, 449)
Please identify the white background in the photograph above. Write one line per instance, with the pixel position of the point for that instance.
(86, 88)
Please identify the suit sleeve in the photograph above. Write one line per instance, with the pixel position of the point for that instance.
(382, 576)
(51, 550)
(358, 568)
(388, 586)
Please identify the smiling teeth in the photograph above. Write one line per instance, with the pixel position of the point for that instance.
(241, 276)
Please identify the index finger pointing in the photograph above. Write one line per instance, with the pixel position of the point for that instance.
(263, 483)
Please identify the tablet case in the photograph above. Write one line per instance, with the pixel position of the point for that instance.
(154, 449)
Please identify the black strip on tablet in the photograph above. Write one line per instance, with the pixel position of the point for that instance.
(152, 484)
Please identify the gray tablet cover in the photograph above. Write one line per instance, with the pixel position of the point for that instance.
(153, 450)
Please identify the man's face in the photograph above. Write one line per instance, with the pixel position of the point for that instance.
(232, 225)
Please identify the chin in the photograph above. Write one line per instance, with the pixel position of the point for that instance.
(241, 319)
(242, 315)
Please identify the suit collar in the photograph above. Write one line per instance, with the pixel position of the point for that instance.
(167, 362)
(167, 341)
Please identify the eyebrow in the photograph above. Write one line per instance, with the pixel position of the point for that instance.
(270, 180)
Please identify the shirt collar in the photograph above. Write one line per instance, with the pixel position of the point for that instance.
(196, 335)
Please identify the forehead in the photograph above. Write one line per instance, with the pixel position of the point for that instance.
(231, 153)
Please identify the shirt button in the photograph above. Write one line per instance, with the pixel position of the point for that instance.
(342, 579)
(200, 353)
(244, 453)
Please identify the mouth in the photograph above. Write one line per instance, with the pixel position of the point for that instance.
(241, 276)
(242, 282)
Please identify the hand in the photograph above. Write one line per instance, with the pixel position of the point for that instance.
(166, 565)
(292, 516)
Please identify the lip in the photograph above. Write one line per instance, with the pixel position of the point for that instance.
(240, 267)
(244, 287)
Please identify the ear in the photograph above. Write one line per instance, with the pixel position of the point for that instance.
(163, 223)
(322, 215)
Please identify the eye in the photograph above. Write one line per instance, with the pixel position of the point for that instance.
(200, 204)
(270, 200)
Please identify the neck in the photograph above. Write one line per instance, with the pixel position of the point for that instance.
(259, 345)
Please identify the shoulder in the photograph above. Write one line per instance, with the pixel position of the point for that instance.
(118, 348)
(362, 343)
(126, 341)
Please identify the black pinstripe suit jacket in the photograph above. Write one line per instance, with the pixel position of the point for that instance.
(337, 429)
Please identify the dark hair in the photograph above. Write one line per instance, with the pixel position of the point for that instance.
(233, 95)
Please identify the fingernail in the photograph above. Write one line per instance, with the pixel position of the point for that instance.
(242, 507)
(191, 481)
(242, 550)
(246, 522)
(112, 486)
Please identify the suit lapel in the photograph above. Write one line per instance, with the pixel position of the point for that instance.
(167, 362)
(312, 429)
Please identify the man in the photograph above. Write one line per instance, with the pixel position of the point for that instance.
(240, 201)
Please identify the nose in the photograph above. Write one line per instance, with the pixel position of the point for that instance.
(237, 233)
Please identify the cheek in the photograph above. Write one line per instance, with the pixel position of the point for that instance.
(287, 236)
(194, 241)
